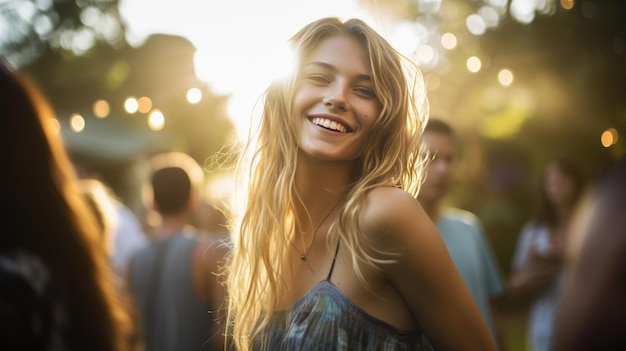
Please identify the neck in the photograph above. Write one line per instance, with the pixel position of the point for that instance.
(320, 186)
(170, 225)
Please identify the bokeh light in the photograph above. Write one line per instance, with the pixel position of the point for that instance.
(523, 10)
(505, 77)
(77, 123)
(609, 137)
(131, 105)
(448, 41)
(194, 95)
(425, 55)
(490, 16)
(101, 108)
(144, 104)
(473, 64)
(567, 4)
(156, 120)
(476, 24)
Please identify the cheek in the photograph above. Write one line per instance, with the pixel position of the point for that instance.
(368, 129)
(369, 116)
(302, 99)
(368, 123)
(296, 103)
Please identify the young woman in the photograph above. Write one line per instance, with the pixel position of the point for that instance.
(332, 251)
(538, 260)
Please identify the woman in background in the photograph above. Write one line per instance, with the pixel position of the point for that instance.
(538, 259)
(56, 287)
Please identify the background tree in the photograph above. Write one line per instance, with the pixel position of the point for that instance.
(34, 28)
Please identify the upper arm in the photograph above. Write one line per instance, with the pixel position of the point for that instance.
(424, 274)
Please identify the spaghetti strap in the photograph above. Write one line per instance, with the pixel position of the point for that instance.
(332, 266)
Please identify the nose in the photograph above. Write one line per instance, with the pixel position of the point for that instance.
(336, 98)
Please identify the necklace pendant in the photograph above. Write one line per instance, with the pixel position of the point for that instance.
(303, 257)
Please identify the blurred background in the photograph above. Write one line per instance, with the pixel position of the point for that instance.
(520, 81)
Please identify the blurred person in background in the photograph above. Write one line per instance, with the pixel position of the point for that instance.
(56, 286)
(173, 279)
(100, 200)
(123, 232)
(537, 264)
(461, 230)
(592, 307)
(104, 204)
(128, 236)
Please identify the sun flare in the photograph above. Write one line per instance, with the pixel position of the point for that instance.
(240, 45)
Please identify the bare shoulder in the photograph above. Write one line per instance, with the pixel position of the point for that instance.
(392, 216)
(386, 205)
(389, 193)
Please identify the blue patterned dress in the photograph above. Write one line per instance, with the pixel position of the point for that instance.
(326, 320)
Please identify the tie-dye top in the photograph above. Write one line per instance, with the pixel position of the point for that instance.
(326, 320)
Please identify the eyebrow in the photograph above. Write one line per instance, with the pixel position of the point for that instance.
(360, 77)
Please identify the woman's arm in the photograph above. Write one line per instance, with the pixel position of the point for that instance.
(424, 274)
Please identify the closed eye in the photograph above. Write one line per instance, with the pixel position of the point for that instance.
(318, 79)
(365, 92)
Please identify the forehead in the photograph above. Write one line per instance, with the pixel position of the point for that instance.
(341, 51)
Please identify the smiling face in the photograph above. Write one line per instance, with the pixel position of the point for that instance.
(334, 99)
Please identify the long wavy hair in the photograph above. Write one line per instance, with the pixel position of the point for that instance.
(45, 214)
(391, 156)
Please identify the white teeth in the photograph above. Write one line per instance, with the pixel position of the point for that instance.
(326, 123)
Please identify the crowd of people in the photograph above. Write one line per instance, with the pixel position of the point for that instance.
(341, 239)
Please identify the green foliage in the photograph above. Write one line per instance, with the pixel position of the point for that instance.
(32, 29)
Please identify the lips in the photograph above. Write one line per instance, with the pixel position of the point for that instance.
(330, 124)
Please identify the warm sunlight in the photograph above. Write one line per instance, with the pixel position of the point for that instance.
(240, 45)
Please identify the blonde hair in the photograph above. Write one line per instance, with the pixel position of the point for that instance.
(391, 156)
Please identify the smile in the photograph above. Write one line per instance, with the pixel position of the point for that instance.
(328, 124)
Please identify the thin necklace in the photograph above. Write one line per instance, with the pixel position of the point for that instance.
(306, 249)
